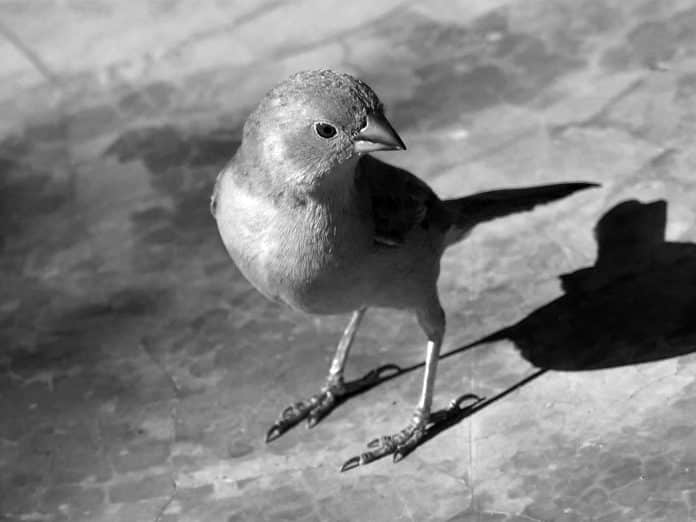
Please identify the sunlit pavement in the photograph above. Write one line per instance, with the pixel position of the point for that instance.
(139, 371)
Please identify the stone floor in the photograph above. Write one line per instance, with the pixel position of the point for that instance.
(139, 371)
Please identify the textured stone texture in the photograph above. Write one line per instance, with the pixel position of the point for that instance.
(139, 371)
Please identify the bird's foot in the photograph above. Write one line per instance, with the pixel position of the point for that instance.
(399, 444)
(320, 404)
(312, 409)
(421, 428)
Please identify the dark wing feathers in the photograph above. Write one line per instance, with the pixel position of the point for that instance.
(400, 201)
(471, 210)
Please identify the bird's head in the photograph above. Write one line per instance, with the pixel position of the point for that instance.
(316, 121)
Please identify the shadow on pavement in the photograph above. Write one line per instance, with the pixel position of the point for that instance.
(635, 305)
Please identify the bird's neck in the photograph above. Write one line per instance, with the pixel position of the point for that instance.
(337, 187)
(334, 188)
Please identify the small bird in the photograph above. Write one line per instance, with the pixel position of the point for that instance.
(315, 222)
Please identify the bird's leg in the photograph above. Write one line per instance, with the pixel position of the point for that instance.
(338, 364)
(320, 404)
(402, 443)
(335, 386)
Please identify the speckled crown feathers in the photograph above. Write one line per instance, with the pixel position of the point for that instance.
(324, 86)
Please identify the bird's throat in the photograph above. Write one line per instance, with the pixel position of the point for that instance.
(336, 186)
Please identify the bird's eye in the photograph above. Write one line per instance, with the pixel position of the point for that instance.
(325, 130)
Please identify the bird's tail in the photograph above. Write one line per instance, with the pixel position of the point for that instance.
(469, 211)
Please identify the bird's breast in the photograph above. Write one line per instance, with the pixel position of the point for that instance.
(301, 252)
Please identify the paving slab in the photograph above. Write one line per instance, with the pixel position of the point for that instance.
(139, 371)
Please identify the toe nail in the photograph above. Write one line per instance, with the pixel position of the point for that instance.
(273, 434)
(398, 456)
(351, 463)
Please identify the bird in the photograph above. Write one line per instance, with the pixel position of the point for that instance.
(315, 222)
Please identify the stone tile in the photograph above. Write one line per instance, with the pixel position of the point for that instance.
(142, 510)
(634, 494)
(153, 486)
(140, 456)
(79, 500)
(139, 370)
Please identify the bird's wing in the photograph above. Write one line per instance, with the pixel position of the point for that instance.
(400, 202)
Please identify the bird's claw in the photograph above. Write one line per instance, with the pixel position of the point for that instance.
(419, 430)
(407, 446)
(383, 372)
(456, 410)
(313, 409)
(273, 433)
(398, 445)
(321, 409)
(456, 404)
(371, 378)
(319, 405)
(351, 463)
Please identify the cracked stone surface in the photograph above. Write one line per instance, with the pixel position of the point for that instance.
(139, 371)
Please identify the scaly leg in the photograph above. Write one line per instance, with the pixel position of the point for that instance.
(432, 321)
(320, 404)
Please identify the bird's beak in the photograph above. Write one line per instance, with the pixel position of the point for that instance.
(378, 134)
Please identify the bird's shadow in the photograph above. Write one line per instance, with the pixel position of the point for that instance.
(635, 305)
